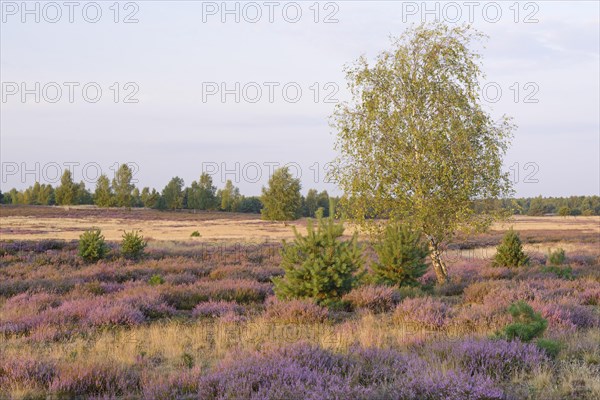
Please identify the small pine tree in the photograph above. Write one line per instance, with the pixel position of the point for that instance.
(527, 323)
(556, 257)
(401, 256)
(133, 245)
(510, 251)
(319, 266)
(92, 246)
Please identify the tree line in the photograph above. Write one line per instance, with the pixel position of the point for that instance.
(282, 200)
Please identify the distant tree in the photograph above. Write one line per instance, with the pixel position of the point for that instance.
(149, 199)
(13, 196)
(172, 194)
(250, 204)
(136, 200)
(564, 211)
(536, 207)
(282, 200)
(202, 194)
(416, 143)
(230, 197)
(66, 193)
(83, 195)
(103, 195)
(122, 186)
(310, 203)
(323, 202)
(575, 211)
(46, 195)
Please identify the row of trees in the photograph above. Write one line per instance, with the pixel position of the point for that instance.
(282, 200)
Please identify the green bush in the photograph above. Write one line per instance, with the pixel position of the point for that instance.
(510, 251)
(560, 272)
(133, 245)
(549, 346)
(401, 257)
(556, 257)
(319, 266)
(156, 280)
(92, 246)
(528, 324)
(195, 234)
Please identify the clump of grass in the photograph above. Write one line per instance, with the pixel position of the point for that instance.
(156, 280)
(195, 234)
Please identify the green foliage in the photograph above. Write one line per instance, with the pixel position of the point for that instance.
(527, 323)
(66, 193)
(156, 280)
(564, 211)
(195, 234)
(416, 143)
(401, 257)
(202, 194)
(92, 246)
(556, 257)
(282, 200)
(103, 195)
(549, 346)
(123, 187)
(250, 204)
(172, 194)
(230, 197)
(150, 199)
(133, 245)
(560, 272)
(510, 251)
(319, 266)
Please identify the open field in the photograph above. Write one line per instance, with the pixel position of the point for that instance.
(210, 328)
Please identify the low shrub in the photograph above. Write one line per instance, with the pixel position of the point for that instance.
(424, 313)
(556, 257)
(215, 309)
(549, 346)
(373, 298)
(133, 245)
(92, 246)
(156, 280)
(294, 311)
(510, 251)
(527, 323)
(195, 234)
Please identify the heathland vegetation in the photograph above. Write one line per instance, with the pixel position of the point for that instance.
(384, 314)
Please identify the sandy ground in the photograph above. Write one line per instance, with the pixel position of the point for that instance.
(36, 224)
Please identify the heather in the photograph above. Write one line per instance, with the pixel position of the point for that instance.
(190, 321)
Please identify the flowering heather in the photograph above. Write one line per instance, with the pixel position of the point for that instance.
(214, 309)
(498, 359)
(294, 311)
(307, 372)
(423, 312)
(374, 298)
(96, 379)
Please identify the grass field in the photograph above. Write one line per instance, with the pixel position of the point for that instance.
(209, 327)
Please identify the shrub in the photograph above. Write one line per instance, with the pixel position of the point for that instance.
(527, 323)
(423, 312)
(549, 346)
(195, 234)
(556, 257)
(156, 280)
(401, 255)
(374, 298)
(560, 272)
(92, 246)
(294, 311)
(214, 309)
(510, 251)
(319, 266)
(133, 245)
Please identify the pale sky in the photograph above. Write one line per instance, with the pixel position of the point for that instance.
(178, 57)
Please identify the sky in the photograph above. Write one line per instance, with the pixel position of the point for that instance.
(236, 89)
